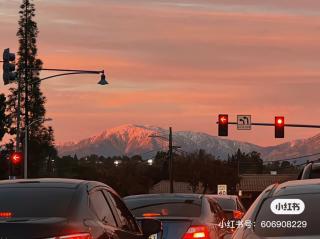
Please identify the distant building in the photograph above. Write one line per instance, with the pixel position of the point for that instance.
(178, 187)
(251, 185)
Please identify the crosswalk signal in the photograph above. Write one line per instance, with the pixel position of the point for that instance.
(9, 67)
(279, 127)
(223, 125)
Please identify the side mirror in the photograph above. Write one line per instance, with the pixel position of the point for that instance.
(150, 226)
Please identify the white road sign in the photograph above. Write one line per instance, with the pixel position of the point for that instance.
(244, 122)
(222, 189)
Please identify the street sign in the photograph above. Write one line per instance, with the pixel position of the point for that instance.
(244, 122)
(222, 189)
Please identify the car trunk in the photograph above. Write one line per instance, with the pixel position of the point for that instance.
(173, 228)
(17, 228)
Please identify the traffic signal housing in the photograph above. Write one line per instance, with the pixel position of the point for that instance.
(9, 67)
(279, 127)
(16, 167)
(223, 123)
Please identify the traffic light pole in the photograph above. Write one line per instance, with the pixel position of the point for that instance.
(26, 103)
(170, 160)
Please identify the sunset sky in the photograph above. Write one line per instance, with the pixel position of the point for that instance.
(177, 63)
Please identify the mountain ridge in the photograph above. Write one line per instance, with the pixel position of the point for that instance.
(131, 139)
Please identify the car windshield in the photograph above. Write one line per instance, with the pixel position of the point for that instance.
(269, 224)
(226, 203)
(165, 207)
(35, 202)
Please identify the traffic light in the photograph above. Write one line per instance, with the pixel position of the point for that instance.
(223, 125)
(16, 158)
(8, 67)
(279, 127)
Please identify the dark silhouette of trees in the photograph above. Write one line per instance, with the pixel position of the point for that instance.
(41, 139)
(3, 117)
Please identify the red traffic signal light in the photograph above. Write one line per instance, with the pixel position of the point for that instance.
(279, 127)
(16, 158)
(223, 122)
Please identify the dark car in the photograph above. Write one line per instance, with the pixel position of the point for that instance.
(231, 205)
(283, 211)
(311, 170)
(66, 209)
(184, 216)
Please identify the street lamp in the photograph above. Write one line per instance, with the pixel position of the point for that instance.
(25, 174)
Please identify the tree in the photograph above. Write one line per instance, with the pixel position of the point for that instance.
(41, 140)
(2, 116)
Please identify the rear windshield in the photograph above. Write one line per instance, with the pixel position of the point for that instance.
(315, 173)
(268, 224)
(226, 204)
(164, 207)
(35, 202)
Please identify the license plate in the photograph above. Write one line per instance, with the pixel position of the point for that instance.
(154, 236)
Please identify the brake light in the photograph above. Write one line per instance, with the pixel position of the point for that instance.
(6, 214)
(151, 215)
(238, 215)
(195, 232)
(74, 236)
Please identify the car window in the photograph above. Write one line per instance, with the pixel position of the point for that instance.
(42, 202)
(227, 204)
(127, 221)
(306, 223)
(100, 206)
(213, 207)
(165, 207)
(315, 172)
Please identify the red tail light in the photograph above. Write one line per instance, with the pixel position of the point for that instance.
(238, 215)
(6, 214)
(151, 214)
(195, 232)
(74, 236)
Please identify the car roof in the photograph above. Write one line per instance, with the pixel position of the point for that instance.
(296, 187)
(51, 182)
(233, 197)
(165, 196)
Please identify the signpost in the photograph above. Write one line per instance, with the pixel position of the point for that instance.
(222, 189)
(244, 122)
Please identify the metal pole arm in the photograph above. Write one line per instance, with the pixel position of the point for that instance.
(65, 74)
(286, 125)
(68, 70)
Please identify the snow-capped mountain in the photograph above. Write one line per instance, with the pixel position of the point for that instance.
(135, 139)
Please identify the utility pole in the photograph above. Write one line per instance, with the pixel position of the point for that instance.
(170, 160)
(26, 81)
(170, 155)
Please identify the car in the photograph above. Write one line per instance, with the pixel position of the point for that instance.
(311, 170)
(284, 211)
(231, 205)
(184, 216)
(67, 209)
